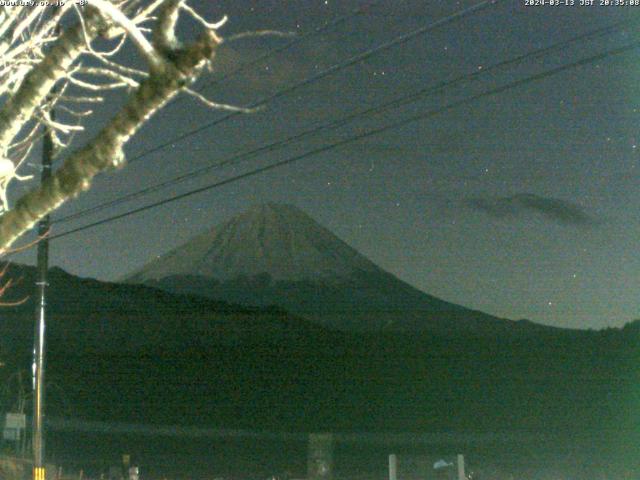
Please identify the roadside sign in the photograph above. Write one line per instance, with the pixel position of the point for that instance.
(14, 424)
(16, 421)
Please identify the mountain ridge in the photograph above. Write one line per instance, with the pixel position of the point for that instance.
(130, 352)
(278, 239)
(275, 254)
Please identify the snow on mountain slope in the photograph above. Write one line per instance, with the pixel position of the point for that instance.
(279, 240)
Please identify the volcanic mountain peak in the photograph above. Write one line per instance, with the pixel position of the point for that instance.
(276, 254)
(275, 239)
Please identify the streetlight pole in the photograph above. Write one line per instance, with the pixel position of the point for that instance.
(40, 323)
(41, 307)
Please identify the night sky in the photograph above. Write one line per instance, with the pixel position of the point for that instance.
(522, 204)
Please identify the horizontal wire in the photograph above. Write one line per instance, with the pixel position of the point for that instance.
(421, 116)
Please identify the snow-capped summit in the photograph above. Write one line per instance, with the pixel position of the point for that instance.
(274, 239)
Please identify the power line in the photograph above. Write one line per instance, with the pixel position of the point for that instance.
(369, 133)
(397, 102)
(326, 72)
(297, 39)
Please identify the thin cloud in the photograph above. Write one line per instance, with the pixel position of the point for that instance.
(521, 204)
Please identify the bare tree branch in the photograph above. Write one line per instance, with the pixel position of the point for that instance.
(119, 18)
(106, 149)
(35, 57)
(219, 106)
(40, 80)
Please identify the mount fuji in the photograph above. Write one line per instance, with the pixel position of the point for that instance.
(275, 254)
(393, 358)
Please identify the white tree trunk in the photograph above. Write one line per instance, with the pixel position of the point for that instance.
(172, 70)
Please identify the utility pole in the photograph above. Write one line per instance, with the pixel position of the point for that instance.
(41, 305)
(40, 323)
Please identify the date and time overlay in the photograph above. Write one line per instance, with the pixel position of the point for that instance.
(525, 3)
(580, 3)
